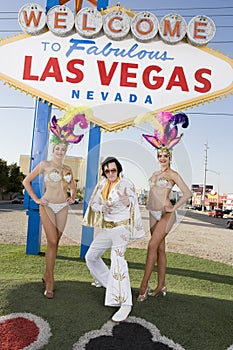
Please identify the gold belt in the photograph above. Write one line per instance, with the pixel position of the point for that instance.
(112, 224)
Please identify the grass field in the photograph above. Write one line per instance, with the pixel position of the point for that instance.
(197, 312)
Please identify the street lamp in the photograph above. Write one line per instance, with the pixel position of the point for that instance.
(204, 183)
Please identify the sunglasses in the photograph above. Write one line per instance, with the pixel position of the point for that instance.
(108, 171)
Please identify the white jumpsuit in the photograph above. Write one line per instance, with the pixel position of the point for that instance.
(116, 233)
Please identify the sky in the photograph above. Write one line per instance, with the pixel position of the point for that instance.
(208, 137)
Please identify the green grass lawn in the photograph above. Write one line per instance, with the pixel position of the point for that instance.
(196, 313)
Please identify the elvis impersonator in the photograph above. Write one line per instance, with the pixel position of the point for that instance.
(114, 208)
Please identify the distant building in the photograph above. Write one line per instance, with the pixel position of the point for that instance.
(78, 165)
(228, 201)
(213, 199)
(199, 188)
(24, 162)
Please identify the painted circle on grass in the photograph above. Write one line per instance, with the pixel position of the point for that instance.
(18, 333)
(23, 331)
(123, 335)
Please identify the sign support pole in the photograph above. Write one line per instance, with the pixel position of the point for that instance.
(38, 152)
(91, 181)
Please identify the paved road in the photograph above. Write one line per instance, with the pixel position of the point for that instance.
(197, 234)
(6, 206)
(194, 214)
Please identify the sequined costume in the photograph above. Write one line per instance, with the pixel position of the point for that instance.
(56, 207)
(118, 227)
(55, 176)
(160, 188)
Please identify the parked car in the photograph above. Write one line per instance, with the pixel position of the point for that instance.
(18, 200)
(197, 207)
(230, 223)
(216, 213)
(227, 211)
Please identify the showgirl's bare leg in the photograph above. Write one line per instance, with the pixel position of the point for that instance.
(158, 236)
(161, 265)
(53, 226)
(161, 257)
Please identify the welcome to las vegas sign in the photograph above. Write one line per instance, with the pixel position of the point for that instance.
(118, 79)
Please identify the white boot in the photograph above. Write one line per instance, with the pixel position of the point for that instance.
(96, 284)
(122, 313)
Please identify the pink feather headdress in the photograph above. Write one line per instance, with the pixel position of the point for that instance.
(166, 130)
(63, 128)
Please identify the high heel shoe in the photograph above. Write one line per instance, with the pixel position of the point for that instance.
(156, 292)
(49, 294)
(44, 282)
(144, 296)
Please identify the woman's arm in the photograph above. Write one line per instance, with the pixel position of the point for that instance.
(186, 193)
(29, 178)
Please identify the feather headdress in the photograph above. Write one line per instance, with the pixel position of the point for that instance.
(166, 130)
(63, 129)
